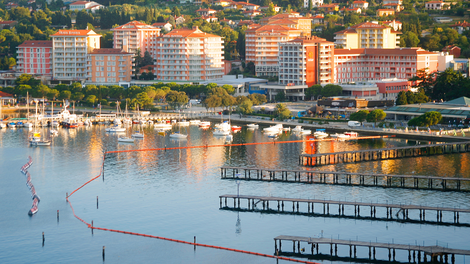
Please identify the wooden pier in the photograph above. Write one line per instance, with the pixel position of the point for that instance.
(346, 178)
(307, 206)
(382, 154)
(415, 252)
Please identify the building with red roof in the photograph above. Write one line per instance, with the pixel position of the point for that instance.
(367, 35)
(189, 55)
(461, 26)
(136, 35)
(360, 4)
(436, 5)
(110, 66)
(206, 11)
(35, 57)
(452, 50)
(7, 23)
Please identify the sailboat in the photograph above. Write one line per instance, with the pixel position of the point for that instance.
(35, 139)
(139, 133)
(27, 124)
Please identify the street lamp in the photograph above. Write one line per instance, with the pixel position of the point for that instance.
(238, 184)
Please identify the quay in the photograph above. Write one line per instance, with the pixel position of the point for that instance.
(414, 251)
(307, 207)
(313, 160)
(347, 178)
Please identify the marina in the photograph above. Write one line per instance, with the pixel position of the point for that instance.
(319, 159)
(415, 253)
(398, 212)
(346, 178)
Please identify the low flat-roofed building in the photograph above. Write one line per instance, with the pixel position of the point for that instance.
(368, 91)
(457, 109)
(292, 92)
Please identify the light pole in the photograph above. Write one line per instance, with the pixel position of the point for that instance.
(238, 184)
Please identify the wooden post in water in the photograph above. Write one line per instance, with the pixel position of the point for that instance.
(96, 202)
(43, 238)
(57, 216)
(103, 252)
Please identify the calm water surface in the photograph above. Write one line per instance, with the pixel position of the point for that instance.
(175, 194)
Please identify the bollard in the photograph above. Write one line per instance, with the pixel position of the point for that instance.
(103, 252)
(96, 202)
(194, 242)
(92, 227)
(43, 238)
(66, 196)
(57, 215)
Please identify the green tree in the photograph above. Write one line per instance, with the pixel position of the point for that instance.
(401, 98)
(65, 95)
(91, 99)
(144, 100)
(281, 112)
(313, 91)
(428, 119)
(246, 107)
(53, 94)
(280, 96)
(271, 11)
(375, 116)
(331, 90)
(228, 88)
(359, 116)
(176, 12)
(409, 39)
(78, 96)
(213, 102)
(176, 99)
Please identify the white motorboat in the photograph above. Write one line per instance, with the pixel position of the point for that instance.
(115, 128)
(125, 140)
(162, 125)
(205, 124)
(41, 142)
(2, 125)
(343, 136)
(252, 126)
(286, 129)
(275, 128)
(220, 132)
(320, 134)
(138, 134)
(305, 132)
(177, 135)
(297, 129)
(194, 122)
(183, 123)
(229, 139)
(223, 126)
(351, 134)
(54, 132)
(28, 125)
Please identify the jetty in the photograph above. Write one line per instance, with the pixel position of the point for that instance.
(346, 178)
(400, 212)
(313, 160)
(415, 252)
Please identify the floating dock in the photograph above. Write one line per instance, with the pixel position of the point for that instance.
(347, 178)
(319, 159)
(400, 212)
(415, 253)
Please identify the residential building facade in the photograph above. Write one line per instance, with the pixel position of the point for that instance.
(290, 20)
(35, 57)
(110, 66)
(136, 35)
(262, 47)
(70, 53)
(306, 61)
(436, 5)
(358, 65)
(385, 12)
(367, 35)
(189, 55)
(461, 26)
(315, 3)
(87, 5)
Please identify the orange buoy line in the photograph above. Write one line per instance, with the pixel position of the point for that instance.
(182, 241)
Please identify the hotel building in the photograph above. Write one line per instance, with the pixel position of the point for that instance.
(293, 21)
(110, 66)
(367, 35)
(189, 55)
(262, 47)
(70, 53)
(35, 57)
(136, 35)
(306, 61)
(358, 65)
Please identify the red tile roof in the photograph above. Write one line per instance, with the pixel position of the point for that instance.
(189, 33)
(36, 43)
(393, 52)
(135, 25)
(75, 32)
(3, 94)
(108, 51)
(461, 24)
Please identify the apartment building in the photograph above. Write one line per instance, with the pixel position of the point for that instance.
(136, 35)
(293, 21)
(315, 3)
(110, 66)
(357, 65)
(87, 5)
(306, 61)
(35, 57)
(367, 35)
(70, 53)
(262, 47)
(189, 55)
(436, 5)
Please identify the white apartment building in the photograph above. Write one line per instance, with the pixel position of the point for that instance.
(136, 35)
(189, 55)
(70, 50)
(315, 3)
(87, 5)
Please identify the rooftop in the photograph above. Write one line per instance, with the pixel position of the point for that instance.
(37, 43)
(108, 51)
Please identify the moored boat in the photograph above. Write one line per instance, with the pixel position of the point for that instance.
(125, 140)
(178, 135)
(252, 126)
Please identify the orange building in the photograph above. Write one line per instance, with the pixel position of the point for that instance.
(385, 12)
(35, 57)
(262, 47)
(291, 21)
(136, 35)
(110, 66)
(306, 61)
(189, 55)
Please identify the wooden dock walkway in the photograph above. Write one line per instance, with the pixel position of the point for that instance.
(307, 206)
(319, 159)
(433, 251)
(346, 178)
